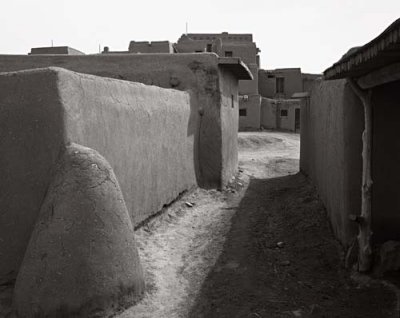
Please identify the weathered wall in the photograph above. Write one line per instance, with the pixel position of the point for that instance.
(266, 84)
(145, 133)
(269, 113)
(271, 117)
(250, 87)
(385, 162)
(229, 124)
(293, 82)
(82, 257)
(253, 113)
(197, 73)
(330, 153)
(288, 122)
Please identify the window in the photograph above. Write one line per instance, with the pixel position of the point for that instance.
(242, 112)
(280, 85)
(198, 51)
(284, 112)
(209, 47)
(233, 101)
(228, 53)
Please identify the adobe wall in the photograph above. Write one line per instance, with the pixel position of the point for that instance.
(330, 153)
(229, 124)
(197, 73)
(253, 112)
(250, 87)
(385, 162)
(145, 133)
(268, 113)
(271, 113)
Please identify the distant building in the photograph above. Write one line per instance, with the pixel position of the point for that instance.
(151, 47)
(136, 47)
(232, 45)
(284, 82)
(64, 50)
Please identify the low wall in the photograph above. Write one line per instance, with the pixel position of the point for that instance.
(145, 133)
(197, 73)
(330, 153)
(251, 104)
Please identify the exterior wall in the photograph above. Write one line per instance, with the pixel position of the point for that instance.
(196, 73)
(330, 153)
(266, 84)
(269, 119)
(229, 124)
(385, 162)
(271, 113)
(150, 47)
(293, 82)
(250, 87)
(145, 133)
(252, 119)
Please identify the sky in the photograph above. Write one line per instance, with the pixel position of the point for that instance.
(311, 34)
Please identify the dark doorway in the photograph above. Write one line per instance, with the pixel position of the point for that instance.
(297, 119)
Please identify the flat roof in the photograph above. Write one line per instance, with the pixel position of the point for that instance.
(380, 52)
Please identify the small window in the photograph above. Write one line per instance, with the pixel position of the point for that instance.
(242, 112)
(284, 112)
(280, 85)
(228, 53)
(209, 47)
(233, 101)
(198, 51)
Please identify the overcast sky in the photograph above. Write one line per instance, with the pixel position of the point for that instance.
(311, 34)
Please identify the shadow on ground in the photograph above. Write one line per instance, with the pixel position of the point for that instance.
(253, 277)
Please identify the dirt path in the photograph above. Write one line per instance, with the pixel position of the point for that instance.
(261, 248)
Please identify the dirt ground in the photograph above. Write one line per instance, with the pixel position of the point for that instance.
(260, 248)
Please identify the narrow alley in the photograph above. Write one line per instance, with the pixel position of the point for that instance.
(259, 248)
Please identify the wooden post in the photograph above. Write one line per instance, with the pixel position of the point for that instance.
(364, 220)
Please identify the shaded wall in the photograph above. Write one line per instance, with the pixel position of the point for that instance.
(330, 152)
(229, 124)
(385, 162)
(197, 73)
(252, 105)
(145, 133)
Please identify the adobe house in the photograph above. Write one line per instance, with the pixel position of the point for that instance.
(350, 147)
(281, 114)
(232, 45)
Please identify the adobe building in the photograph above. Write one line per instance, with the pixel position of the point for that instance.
(64, 50)
(283, 91)
(151, 47)
(232, 45)
(280, 114)
(351, 151)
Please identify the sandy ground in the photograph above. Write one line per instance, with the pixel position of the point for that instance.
(260, 248)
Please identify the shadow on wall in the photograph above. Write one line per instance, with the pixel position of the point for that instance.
(254, 277)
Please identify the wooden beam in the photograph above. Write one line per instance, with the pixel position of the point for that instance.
(381, 76)
(364, 220)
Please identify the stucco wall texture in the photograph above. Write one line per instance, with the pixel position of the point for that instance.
(145, 133)
(271, 117)
(252, 106)
(330, 153)
(197, 73)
